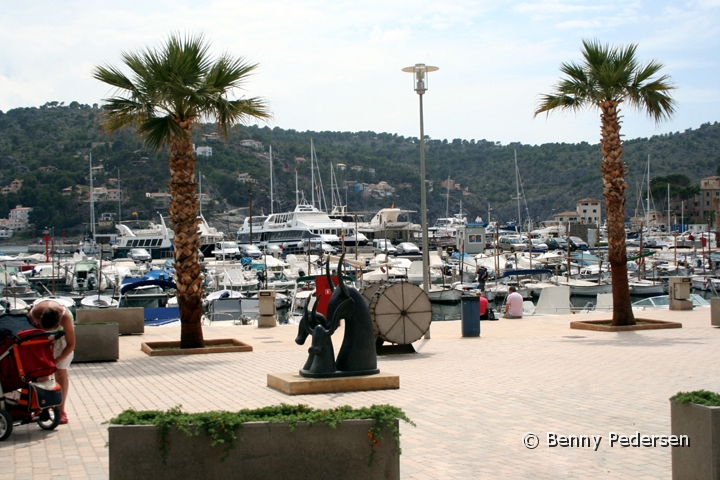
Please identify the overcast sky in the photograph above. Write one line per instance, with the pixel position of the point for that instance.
(336, 65)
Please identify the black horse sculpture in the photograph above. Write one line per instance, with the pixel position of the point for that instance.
(322, 354)
(358, 355)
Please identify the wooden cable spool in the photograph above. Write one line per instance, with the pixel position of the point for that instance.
(369, 290)
(401, 312)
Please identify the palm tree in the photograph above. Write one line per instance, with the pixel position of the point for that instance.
(607, 77)
(169, 90)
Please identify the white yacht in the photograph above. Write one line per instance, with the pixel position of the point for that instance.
(156, 239)
(351, 236)
(385, 224)
(292, 230)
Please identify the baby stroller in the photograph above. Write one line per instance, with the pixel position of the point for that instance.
(27, 392)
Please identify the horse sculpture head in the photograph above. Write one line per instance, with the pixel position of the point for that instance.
(322, 354)
(340, 301)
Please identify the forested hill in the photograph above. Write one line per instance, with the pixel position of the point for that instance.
(553, 175)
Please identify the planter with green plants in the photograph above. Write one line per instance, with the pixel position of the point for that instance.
(696, 415)
(97, 342)
(283, 441)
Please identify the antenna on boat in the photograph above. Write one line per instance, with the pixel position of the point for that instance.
(312, 173)
(517, 189)
(271, 183)
(92, 199)
(297, 192)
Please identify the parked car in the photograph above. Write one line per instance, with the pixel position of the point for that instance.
(321, 247)
(251, 251)
(513, 244)
(227, 251)
(538, 244)
(577, 243)
(139, 255)
(273, 250)
(382, 245)
(408, 248)
(554, 243)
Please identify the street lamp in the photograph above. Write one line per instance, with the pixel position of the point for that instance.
(420, 71)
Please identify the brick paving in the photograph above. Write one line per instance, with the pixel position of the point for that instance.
(473, 399)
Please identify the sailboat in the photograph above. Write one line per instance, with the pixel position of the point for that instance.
(90, 247)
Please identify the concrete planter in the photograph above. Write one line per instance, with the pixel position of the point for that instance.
(130, 320)
(216, 345)
(604, 325)
(702, 425)
(97, 342)
(267, 450)
(715, 312)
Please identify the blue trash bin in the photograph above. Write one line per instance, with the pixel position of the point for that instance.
(470, 315)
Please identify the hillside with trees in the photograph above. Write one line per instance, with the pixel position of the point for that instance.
(47, 148)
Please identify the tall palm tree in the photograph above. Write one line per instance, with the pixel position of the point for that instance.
(170, 89)
(607, 77)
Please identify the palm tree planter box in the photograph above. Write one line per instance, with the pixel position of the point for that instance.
(605, 325)
(217, 345)
(131, 320)
(701, 423)
(263, 450)
(97, 342)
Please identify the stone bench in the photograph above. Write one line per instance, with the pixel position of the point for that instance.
(130, 320)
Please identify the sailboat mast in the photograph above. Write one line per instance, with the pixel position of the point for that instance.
(297, 199)
(447, 199)
(332, 189)
(312, 172)
(119, 198)
(647, 212)
(517, 189)
(271, 183)
(668, 195)
(200, 191)
(92, 200)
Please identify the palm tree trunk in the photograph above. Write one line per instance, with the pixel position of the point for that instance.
(183, 212)
(614, 185)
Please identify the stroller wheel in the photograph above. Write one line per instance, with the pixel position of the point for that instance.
(49, 418)
(6, 424)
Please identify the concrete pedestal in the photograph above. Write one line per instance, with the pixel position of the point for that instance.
(294, 384)
(267, 321)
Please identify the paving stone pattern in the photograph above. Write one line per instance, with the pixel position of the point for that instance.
(473, 399)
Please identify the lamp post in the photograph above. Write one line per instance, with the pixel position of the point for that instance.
(420, 71)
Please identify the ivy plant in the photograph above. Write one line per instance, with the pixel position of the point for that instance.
(701, 397)
(221, 426)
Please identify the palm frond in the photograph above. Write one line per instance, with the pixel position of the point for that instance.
(177, 82)
(159, 131)
(611, 73)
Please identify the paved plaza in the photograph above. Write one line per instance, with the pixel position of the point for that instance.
(473, 399)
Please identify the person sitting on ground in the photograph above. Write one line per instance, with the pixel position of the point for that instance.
(51, 315)
(484, 307)
(513, 304)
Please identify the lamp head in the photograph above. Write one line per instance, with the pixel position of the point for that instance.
(420, 70)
